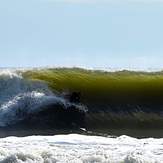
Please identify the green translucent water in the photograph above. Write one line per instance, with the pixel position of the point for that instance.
(123, 99)
(101, 86)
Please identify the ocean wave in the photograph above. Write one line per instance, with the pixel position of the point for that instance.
(80, 149)
(21, 98)
(114, 99)
(37, 98)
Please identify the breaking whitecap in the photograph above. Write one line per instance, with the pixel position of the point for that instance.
(20, 97)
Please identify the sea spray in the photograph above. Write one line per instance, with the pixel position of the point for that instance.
(20, 97)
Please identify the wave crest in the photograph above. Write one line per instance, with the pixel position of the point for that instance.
(20, 97)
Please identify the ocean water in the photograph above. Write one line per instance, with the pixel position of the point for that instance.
(39, 123)
(80, 149)
(20, 98)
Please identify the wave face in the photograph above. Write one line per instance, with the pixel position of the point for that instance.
(121, 99)
(115, 100)
(80, 149)
(20, 98)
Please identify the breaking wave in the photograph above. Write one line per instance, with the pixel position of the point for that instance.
(36, 99)
(20, 98)
(29, 103)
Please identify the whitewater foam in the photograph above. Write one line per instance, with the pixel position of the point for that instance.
(80, 149)
(20, 97)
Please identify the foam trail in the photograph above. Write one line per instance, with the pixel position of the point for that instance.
(80, 149)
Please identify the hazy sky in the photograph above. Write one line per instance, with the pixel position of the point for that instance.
(87, 33)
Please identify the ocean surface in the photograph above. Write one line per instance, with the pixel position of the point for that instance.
(80, 149)
(117, 116)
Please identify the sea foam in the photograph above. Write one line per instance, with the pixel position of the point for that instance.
(75, 148)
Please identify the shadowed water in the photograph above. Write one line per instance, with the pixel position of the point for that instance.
(112, 103)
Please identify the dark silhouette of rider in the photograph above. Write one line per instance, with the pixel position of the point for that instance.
(75, 97)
